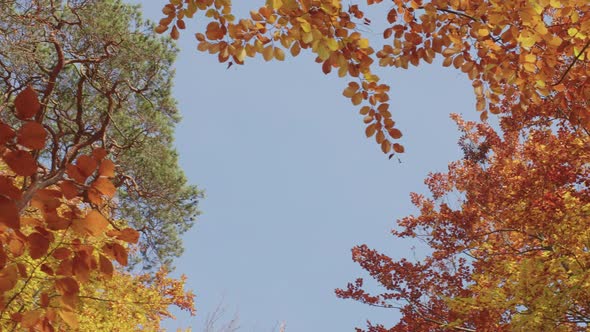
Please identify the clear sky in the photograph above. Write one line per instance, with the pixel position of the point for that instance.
(292, 184)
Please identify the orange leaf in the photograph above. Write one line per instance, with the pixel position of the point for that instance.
(30, 318)
(32, 135)
(116, 251)
(327, 67)
(104, 186)
(67, 285)
(99, 153)
(357, 98)
(385, 146)
(86, 165)
(174, 33)
(8, 278)
(27, 103)
(398, 148)
(95, 223)
(395, 133)
(81, 267)
(74, 173)
(69, 317)
(120, 254)
(107, 168)
(94, 196)
(68, 189)
(21, 162)
(370, 130)
(16, 247)
(128, 235)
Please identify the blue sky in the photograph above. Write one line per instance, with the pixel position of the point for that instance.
(292, 184)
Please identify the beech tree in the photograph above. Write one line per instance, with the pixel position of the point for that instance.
(512, 253)
(89, 181)
(521, 56)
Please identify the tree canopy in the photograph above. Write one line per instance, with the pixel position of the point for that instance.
(89, 180)
(511, 252)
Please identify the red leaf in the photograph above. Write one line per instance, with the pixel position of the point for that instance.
(8, 189)
(6, 133)
(21, 162)
(38, 245)
(27, 103)
(9, 213)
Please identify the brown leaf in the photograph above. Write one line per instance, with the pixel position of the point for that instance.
(398, 148)
(67, 285)
(6, 133)
(8, 189)
(27, 103)
(105, 266)
(38, 245)
(3, 258)
(21, 162)
(32, 135)
(44, 300)
(61, 253)
(9, 213)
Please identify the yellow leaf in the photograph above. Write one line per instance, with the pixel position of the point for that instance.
(363, 43)
(483, 32)
(305, 26)
(572, 32)
(332, 44)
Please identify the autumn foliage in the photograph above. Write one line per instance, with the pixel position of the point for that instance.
(507, 226)
(65, 250)
(61, 252)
